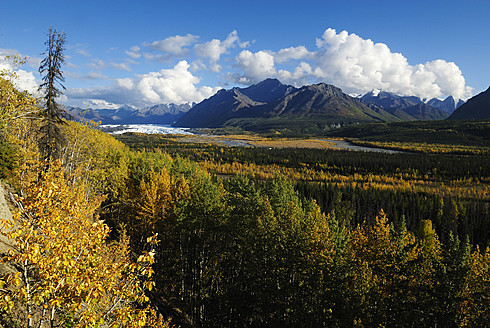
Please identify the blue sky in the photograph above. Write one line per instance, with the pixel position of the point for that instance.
(146, 52)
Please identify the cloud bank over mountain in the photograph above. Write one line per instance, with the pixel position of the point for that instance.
(188, 68)
(356, 65)
(362, 65)
(176, 85)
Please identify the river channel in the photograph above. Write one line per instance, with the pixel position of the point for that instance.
(231, 142)
(342, 144)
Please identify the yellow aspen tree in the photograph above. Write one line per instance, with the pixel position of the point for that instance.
(381, 275)
(101, 158)
(14, 104)
(155, 199)
(476, 308)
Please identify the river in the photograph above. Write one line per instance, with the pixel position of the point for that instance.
(167, 129)
(350, 146)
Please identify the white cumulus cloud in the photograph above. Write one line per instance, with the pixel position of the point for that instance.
(295, 53)
(213, 49)
(121, 66)
(90, 76)
(174, 85)
(449, 78)
(354, 64)
(360, 65)
(97, 104)
(299, 76)
(97, 64)
(256, 66)
(24, 80)
(133, 52)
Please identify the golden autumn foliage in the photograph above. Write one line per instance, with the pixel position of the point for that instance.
(18, 120)
(476, 308)
(102, 159)
(65, 271)
(69, 273)
(155, 199)
(401, 182)
(14, 104)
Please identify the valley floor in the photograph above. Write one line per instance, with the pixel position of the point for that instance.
(257, 141)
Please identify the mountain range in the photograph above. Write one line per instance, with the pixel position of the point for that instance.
(274, 104)
(320, 103)
(157, 114)
(392, 101)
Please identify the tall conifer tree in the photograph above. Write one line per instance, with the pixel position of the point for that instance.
(52, 139)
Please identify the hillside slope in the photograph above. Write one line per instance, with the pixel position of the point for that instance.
(476, 108)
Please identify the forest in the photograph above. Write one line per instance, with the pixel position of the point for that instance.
(395, 204)
(148, 231)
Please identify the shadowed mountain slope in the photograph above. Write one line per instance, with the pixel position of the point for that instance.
(476, 108)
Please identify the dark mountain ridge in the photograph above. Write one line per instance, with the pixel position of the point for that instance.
(389, 100)
(476, 108)
(267, 90)
(320, 100)
(425, 112)
(272, 99)
(216, 110)
(235, 103)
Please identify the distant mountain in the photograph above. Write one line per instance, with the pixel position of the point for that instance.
(324, 100)
(408, 108)
(271, 105)
(425, 112)
(448, 105)
(389, 100)
(157, 114)
(272, 99)
(476, 108)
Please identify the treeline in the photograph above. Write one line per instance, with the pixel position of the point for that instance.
(425, 147)
(444, 132)
(450, 216)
